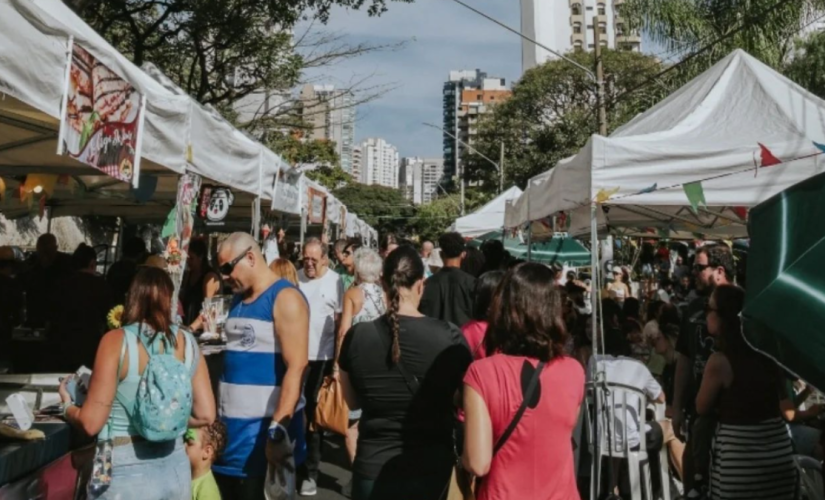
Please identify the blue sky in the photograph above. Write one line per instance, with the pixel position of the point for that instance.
(440, 36)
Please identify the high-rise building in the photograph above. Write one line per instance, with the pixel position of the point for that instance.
(356, 163)
(329, 115)
(563, 25)
(379, 163)
(467, 95)
(419, 179)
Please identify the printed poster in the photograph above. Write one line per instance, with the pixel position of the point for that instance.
(317, 206)
(102, 118)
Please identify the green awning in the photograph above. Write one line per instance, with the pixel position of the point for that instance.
(564, 251)
(785, 298)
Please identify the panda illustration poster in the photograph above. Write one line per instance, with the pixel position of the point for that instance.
(215, 203)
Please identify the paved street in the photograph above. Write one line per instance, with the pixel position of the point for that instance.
(335, 472)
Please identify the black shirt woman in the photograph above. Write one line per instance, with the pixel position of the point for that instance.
(403, 371)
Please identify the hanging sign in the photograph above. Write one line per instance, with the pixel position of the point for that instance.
(187, 202)
(286, 196)
(317, 206)
(215, 203)
(102, 118)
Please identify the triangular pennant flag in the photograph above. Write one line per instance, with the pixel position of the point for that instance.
(2, 189)
(170, 227)
(146, 188)
(604, 194)
(768, 158)
(741, 212)
(663, 233)
(819, 146)
(696, 195)
(649, 189)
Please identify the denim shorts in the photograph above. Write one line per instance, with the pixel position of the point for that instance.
(145, 470)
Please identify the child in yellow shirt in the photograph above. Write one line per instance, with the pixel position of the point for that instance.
(204, 445)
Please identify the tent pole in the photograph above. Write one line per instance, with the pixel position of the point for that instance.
(529, 241)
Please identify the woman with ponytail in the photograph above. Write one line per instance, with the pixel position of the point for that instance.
(403, 370)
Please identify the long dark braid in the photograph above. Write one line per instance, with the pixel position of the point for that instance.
(403, 267)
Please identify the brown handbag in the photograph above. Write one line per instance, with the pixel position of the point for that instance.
(332, 412)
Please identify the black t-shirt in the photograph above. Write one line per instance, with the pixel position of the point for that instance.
(697, 344)
(413, 430)
(120, 278)
(449, 295)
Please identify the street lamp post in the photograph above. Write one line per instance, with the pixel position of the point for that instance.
(499, 166)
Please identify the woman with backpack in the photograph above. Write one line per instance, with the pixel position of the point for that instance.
(522, 402)
(148, 385)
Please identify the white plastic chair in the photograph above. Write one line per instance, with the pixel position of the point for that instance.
(615, 410)
(664, 460)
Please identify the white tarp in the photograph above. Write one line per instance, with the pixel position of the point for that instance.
(488, 218)
(709, 131)
(352, 225)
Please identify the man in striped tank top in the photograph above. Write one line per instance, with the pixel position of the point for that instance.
(266, 354)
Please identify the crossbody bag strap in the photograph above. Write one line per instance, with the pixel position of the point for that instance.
(410, 379)
(528, 395)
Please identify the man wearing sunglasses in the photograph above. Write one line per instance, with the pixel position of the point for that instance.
(260, 402)
(713, 267)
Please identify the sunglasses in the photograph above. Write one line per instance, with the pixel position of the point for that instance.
(227, 268)
(698, 268)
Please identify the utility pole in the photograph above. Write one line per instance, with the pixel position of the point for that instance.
(460, 167)
(501, 169)
(597, 51)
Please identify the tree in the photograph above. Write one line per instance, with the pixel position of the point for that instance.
(552, 113)
(764, 28)
(331, 177)
(433, 219)
(807, 68)
(383, 208)
(220, 51)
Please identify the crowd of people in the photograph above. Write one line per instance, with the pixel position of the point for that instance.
(466, 360)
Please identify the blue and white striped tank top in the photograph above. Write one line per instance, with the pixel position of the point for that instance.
(250, 386)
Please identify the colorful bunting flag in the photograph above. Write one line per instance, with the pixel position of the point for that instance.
(768, 158)
(2, 189)
(649, 189)
(171, 224)
(146, 188)
(604, 194)
(741, 212)
(663, 233)
(819, 146)
(695, 195)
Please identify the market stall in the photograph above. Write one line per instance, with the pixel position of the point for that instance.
(731, 138)
(559, 249)
(488, 218)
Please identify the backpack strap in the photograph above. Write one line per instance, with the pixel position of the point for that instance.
(528, 395)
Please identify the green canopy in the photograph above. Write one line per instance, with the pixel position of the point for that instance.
(785, 299)
(564, 251)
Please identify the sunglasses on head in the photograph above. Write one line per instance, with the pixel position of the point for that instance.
(227, 268)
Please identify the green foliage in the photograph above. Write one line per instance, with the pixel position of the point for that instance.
(297, 152)
(218, 51)
(330, 177)
(764, 28)
(807, 68)
(433, 219)
(383, 208)
(552, 113)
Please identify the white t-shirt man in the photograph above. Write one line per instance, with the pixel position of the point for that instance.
(325, 296)
(629, 372)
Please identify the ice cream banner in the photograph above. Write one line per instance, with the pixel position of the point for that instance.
(102, 118)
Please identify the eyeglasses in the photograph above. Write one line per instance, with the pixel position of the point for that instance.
(709, 309)
(227, 268)
(698, 268)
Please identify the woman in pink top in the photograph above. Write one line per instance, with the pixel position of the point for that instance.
(475, 330)
(526, 331)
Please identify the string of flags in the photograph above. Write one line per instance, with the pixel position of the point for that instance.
(694, 191)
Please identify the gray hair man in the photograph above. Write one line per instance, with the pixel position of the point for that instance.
(266, 354)
(324, 291)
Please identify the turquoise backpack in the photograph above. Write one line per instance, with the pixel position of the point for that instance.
(163, 402)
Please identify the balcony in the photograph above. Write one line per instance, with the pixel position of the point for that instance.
(616, 3)
(577, 18)
(601, 19)
(577, 37)
(630, 38)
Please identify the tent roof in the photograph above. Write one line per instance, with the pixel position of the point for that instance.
(709, 131)
(487, 218)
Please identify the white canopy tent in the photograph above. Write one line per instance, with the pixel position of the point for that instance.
(710, 131)
(179, 134)
(488, 218)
